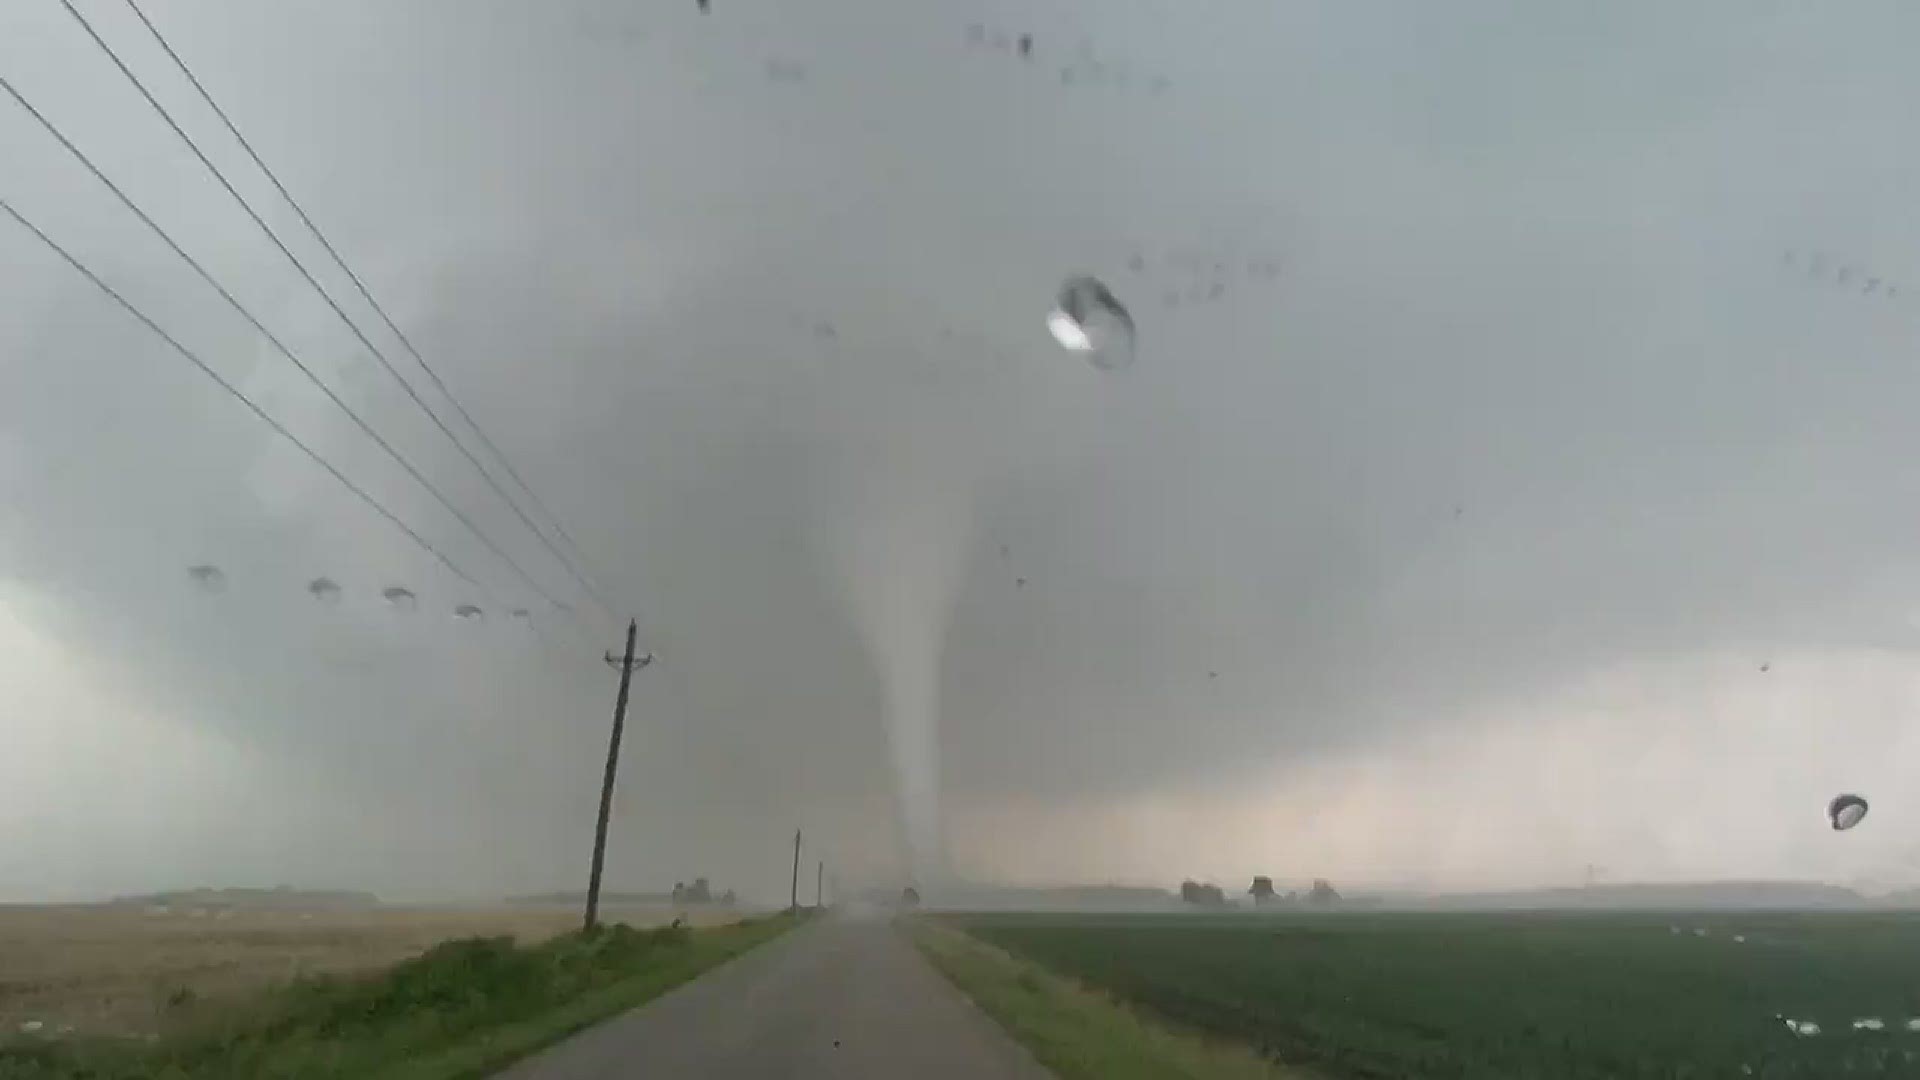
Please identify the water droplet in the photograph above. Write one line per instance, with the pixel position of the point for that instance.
(399, 599)
(208, 578)
(1087, 318)
(785, 71)
(1845, 811)
(468, 613)
(1802, 1028)
(324, 590)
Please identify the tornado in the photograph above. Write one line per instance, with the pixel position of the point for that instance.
(900, 553)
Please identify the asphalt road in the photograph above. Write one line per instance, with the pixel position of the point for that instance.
(839, 997)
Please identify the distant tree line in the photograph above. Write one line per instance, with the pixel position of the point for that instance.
(1199, 894)
(699, 893)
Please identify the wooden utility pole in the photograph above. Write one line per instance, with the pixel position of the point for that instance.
(793, 901)
(627, 664)
(819, 879)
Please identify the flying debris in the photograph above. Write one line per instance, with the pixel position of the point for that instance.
(468, 613)
(324, 590)
(1087, 318)
(1845, 811)
(208, 578)
(399, 599)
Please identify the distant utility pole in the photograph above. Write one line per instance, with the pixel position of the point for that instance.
(627, 664)
(793, 900)
(819, 879)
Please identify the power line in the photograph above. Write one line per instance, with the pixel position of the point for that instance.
(192, 358)
(552, 519)
(279, 345)
(311, 280)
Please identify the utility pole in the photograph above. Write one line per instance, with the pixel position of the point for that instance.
(627, 664)
(819, 879)
(793, 901)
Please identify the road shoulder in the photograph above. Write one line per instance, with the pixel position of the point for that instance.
(1079, 1033)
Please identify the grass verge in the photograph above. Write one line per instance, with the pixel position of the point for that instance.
(1080, 1034)
(462, 1010)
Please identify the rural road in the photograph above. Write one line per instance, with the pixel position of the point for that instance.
(838, 997)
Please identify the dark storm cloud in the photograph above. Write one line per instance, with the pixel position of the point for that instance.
(1529, 396)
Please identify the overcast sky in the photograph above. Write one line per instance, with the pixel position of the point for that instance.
(1539, 490)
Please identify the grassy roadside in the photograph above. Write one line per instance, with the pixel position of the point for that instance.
(462, 1010)
(1079, 1033)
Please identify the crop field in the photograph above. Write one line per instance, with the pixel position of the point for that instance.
(1512, 995)
(108, 969)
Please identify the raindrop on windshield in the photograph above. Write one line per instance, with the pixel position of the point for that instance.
(468, 613)
(1845, 811)
(399, 599)
(324, 590)
(208, 578)
(1088, 319)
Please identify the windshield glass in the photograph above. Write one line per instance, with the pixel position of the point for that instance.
(1411, 456)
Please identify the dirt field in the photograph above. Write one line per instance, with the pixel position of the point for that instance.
(110, 969)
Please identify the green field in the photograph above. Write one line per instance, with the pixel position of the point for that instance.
(1510, 995)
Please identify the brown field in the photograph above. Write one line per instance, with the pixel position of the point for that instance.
(112, 969)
